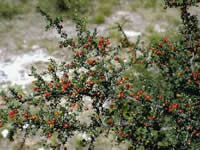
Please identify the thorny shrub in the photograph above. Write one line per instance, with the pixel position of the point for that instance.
(158, 108)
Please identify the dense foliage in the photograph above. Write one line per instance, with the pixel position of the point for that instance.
(67, 6)
(153, 109)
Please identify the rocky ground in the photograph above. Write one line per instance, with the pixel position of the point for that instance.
(24, 42)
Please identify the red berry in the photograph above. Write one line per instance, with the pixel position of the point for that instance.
(66, 126)
(47, 94)
(116, 58)
(121, 95)
(137, 97)
(85, 46)
(53, 121)
(110, 121)
(73, 104)
(147, 97)
(12, 113)
(81, 53)
(160, 44)
(170, 108)
(89, 39)
(164, 39)
(36, 89)
(26, 115)
(34, 118)
(175, 105)
(102, 77)
(65, 86)
(121, 134)
(166, 102)
(73, 44)
(50, 85)
(180, 111)
(49, 135)
(140, 92)
(77, 53)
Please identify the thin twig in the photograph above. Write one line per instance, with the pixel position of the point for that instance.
(23, 142)
(191, 62)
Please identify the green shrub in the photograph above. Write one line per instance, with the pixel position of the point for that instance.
(150, 4)
(98, 19)
(9, 8)
(173, 20)
(147, 97)
(155, 37)
(150, 28)
(66, 7)
(115, 35)
(105, 9)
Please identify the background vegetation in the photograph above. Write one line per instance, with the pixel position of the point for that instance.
(98, 12)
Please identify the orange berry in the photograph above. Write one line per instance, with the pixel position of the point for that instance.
(164, 39)
(147, 97)
(56, 113)
(47, 94)
(153, 117)
(19, 96)
(34, 118)
(137, 97)
(121, 134)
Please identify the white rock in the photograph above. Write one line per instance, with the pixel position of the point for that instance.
(125, 60)
(93, 68)
(63, 102)
(138, 54)
(107, 104)
(95, 87)
(35, 47)
(149, 55)
(100, 58)
(132, 33)
(16, 69)
(93, 53)
(157, 28)
(121, 13)
(84, 136)
(136, 74)
(41, 148)
(87, 98)
(82, 70)
(25, 126)
(71, 73)
(5, 133)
